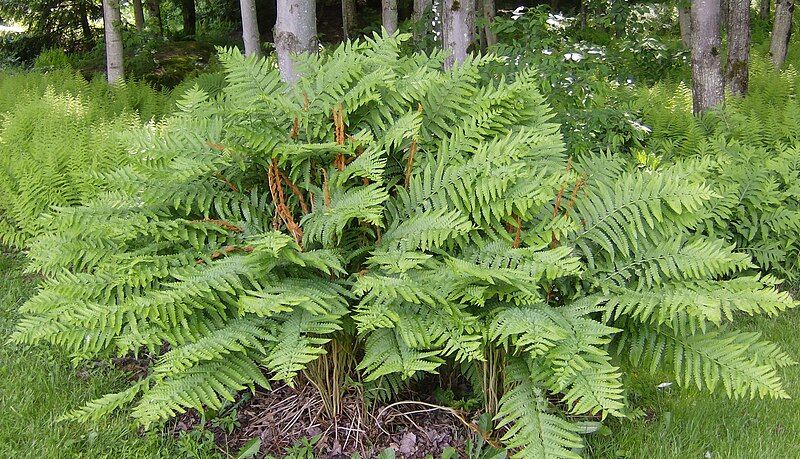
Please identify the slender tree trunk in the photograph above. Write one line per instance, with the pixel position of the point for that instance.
(154, 9)
(685, 21)
(583, 14)
(458, 29)
(189, 13)
(250, 35)
(422, 10)
(707, 83)
(348, 18)
(86, 28)
(489, 12)
(295, 32)
(389, 15)
(738, 46)
(111, 23)
(763, 9)
(781, 31)
(138, 14)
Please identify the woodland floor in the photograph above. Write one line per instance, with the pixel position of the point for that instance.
(38, 384)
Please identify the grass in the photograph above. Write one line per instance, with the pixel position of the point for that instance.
(37, 385)
(681, 423)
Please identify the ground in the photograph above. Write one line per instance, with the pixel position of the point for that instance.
(37, 385)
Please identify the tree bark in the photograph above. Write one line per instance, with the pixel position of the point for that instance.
(458, 29)
(422, 23)
(763, 9)
(295, 32)
(154, 9)
(707, 83)
(250, 34)
(111, 23)
(138, 15)
(389, 15)
(583, 14)
(489, 12)
(189, 14)
(348, 18)
(738, 46)
(781, 31)
(685, 22)
(86, 28)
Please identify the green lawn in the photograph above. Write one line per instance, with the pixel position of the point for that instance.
(38, 385)
(687, 424)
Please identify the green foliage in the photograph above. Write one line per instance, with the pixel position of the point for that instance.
(434, 215)
(756, 208)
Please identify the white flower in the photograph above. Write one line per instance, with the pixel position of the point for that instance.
(517, 13)
(576, 57)
(664, 385)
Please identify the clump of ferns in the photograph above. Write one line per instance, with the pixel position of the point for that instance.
(378, 219)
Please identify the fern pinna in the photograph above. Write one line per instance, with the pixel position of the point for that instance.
(433, 216)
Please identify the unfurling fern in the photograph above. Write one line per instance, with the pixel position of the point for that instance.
(432, 215)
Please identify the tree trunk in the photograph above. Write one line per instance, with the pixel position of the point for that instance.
(781, 31)
(763, 9)
(138, 15)
(707, 83)
(111, 23)
(250, 35)
(389, 15)
(348, 18)
(86, 28)
(738, 46)
(154, 8)
(295, 32)
(489, 12)
(189, 13)
(458, 29)
(685, 21)
(583, 14)
(422, 23)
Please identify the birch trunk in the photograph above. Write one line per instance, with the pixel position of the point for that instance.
(389, 15)
(685, 22)
(422, 23)
(348, 18)
(111, 23)
(138, 15)
(458, 29)
(781, 31)
(707, 83)
(250, 35)
(763, 9)
(295, 32)
(738, 46)
(489, 12)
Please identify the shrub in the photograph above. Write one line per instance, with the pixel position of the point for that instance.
(411, 217)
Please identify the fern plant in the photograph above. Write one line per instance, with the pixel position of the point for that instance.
(747, 152)
(427, 216)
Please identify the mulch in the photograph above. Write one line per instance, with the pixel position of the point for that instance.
(285, 415)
